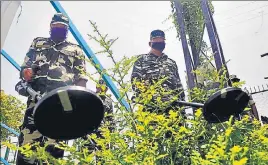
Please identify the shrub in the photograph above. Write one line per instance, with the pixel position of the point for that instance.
(12, 110)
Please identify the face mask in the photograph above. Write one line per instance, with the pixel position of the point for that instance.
(58, 34)
(158, 46)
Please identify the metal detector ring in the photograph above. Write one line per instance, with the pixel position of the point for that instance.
(82, 113)
(222, 104)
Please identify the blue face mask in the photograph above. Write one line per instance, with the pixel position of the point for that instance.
(159, 46)
(58, 34)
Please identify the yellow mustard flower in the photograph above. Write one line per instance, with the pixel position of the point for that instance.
(140, 128)
(228, 132)
(130, 158)
(182, 129)
(220, 151)
(236, 149)
(198, 113)
(173, 114)
(242, 161)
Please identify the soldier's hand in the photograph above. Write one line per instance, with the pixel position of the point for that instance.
(27, 74)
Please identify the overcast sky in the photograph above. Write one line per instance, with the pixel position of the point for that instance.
(242, 27)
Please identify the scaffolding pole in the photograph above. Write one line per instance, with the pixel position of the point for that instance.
(89, 53)
(186, 52)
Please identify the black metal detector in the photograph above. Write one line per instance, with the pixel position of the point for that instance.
(222, 104)
(67, 113)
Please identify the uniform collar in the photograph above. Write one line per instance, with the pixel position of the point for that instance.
(164, 56)
(55, 44)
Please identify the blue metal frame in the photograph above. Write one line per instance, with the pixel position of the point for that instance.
(10, 59)
(10, 129)
(57, 6)
(4, 161)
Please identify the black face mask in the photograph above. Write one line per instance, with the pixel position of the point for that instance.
(159, 46)
(58, 34)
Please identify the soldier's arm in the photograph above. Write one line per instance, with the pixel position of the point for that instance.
(29, 58)
(179, 84)
(79, 69)
(27, 63)
(137, 74)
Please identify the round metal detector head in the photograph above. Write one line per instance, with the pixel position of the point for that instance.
(68, 113)
(224, 103)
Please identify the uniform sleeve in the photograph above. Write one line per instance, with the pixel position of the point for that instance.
(27, 63)
(29, 58)
(22, 91)
(79, 66)
(137, 74)
(179, 84)
(109, 118)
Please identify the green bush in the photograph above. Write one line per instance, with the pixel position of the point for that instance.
(12, 110)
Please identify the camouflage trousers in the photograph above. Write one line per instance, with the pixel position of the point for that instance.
(30, 135)
(92, 146)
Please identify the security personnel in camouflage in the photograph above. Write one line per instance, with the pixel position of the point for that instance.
(253, 113)
(50, 63)
(101, 90)
(154, 66)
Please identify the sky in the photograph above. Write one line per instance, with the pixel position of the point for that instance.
(242, 28)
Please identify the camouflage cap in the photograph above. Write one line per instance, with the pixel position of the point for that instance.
(60, 18)
(233, 78)
(157, 33)
(101, 81)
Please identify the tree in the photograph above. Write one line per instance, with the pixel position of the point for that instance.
(12, 110)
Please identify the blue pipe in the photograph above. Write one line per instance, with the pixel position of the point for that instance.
(10, 59)
(10, 129)
(57, 6)
(4, 161)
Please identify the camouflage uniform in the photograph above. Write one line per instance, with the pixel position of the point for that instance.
(264, 119)
(232, 79)
(60, 64)
(149, 68)
(108, 110)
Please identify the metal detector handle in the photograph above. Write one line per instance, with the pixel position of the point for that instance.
(265, 54)
(197, 105)
(31, 92)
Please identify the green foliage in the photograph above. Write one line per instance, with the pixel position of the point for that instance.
(193, 20)
(144, 138)
(11, 113)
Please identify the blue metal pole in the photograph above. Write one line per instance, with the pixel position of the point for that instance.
(10, 129)
(187, 56)
(211, 34)
(4, 161)
(10, 59)
(57, 6)
(7, 152)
